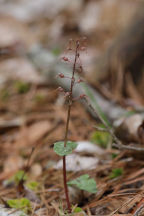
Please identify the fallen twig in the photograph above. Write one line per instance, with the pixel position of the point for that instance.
(118, 144)
(113, 213)
(128, 147)
(138, 210)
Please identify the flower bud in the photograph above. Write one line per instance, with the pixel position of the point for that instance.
(82, 96)
(79, 80)
(65, 58)
(60, 89)
(61, 75)
(67, 94)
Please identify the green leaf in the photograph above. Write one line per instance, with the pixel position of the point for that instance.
(129, 113)
(116, 173)
(22, 214)
(33, 185)
(4, 94)
(101, 138)
(114, 155)
(23, 204)
(21, 87)
(77, 210)
(18, 176)
(56, 51)
(84, 182)
(39, 98)
(61, 150)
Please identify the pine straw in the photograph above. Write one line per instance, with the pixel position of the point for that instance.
(120, 196)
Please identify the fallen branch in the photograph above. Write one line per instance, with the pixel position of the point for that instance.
(129, 147)
(118, 144)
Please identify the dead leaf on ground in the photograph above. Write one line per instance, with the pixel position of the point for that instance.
(31, 135)
(12, 31)
(19, 68)
(12, 163)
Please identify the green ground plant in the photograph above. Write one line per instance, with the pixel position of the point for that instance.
(22, 204)
(21, 87)
(116, 173)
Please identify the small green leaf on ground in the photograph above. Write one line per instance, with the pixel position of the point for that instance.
(19, 176)
(130, 113)
(56, 51)
(77, 210)
(21, 87)
(16, 178)
(116, 173)
(61, 150)
(39, 98)
(23, 204)
(114, 155)
(101, 138)
(4, 94)
(33, 185)
(84, 182)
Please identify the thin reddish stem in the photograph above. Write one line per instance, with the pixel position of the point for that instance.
(70, 100)
(65, 184)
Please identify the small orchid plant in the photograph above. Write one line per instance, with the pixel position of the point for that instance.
(64, 148)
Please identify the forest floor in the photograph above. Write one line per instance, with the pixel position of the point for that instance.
(35, 116)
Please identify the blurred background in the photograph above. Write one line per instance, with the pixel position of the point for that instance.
(45, 26)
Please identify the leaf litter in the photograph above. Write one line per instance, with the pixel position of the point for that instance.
(35, 117)
(43, 125)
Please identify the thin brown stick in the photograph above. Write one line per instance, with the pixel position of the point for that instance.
(125, 204)
(118, 144)
(28, 164)
(138, 210)
(102, 120)
(129, 147)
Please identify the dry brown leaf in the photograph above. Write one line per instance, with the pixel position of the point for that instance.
(32, 134)
(13, 163)
(19, 68)
(12, 31)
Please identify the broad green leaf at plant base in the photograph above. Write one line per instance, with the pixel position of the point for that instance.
(63, 151)
(84, 182)
(23, 204)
